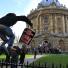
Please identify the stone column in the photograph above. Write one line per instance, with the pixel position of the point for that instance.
(56, 30)
(51, 24)
(38, 21)
(66, 25)
(63, 24)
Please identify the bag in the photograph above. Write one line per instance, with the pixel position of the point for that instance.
(27, 36)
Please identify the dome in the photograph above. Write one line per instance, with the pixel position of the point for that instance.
(45, 3)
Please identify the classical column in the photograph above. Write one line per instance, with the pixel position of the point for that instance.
(40, 24)
(66, 23)
(51, 24)
(38, 21)
(63, 24)
(56, 28)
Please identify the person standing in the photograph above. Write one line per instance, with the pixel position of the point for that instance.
(22, 54)
(35, 53)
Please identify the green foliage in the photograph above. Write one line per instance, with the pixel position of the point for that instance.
(49, 59)
(4, 56)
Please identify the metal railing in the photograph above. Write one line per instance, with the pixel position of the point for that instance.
(3, 64)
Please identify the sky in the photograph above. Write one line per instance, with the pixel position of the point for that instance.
(20, 7)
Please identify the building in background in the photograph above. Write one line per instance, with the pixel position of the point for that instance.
(50, 22)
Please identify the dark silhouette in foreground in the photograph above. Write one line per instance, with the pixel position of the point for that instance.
(6, 33)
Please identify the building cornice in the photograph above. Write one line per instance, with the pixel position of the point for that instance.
(49, 11)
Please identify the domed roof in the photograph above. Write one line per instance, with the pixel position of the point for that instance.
(45, 3)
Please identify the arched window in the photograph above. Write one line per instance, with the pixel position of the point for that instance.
(61, 44)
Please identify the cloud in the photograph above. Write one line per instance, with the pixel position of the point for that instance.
(18, 28)
(64, 2)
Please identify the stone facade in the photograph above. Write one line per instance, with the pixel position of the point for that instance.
(50, 24)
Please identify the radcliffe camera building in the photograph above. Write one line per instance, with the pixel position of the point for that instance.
(50, 22)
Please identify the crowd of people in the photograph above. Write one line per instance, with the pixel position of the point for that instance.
(48, 48)
(45, 47)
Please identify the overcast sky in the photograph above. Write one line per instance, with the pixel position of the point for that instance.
(20, 7)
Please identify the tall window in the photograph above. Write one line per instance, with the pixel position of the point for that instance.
(53, 19)
(46, 23)
(46, 19)
(59, 24)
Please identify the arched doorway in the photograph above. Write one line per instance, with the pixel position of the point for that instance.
(61, 45)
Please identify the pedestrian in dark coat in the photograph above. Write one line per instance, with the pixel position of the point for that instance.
(22, 54)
